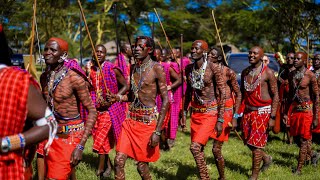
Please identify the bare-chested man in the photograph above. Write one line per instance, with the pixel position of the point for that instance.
(207, 113)
(110, 114)
(304, 105)
(64, 90)
(260, 97)
(140, 134)
(232, 89)
(283, 86)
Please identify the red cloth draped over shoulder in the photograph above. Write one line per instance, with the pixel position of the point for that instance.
(14, 85)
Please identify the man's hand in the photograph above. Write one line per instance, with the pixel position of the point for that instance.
(76, 157)
(314, 123)
(234, 124)
(112, 97)
(271, 123)
(154, 140)
(218, 128)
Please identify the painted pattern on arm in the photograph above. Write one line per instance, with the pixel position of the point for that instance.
(220, 86)
(235, 88)
(81, 88)
(274, 91)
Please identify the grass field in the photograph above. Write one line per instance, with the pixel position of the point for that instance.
(179, 163)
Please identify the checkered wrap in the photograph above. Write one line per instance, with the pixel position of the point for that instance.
(116, 111)
(175, 106)
(14, 85)
(122, 64)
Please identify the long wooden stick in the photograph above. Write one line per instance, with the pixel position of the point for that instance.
(92, 46)
(165, 34)
(215, 25)
(230, 125)
(32, 36)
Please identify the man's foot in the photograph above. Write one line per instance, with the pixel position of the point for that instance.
(107, 172)
(170, 143)
(297, 172)
(266, 164)
(99, 172)
(252, 178)
(315, 158)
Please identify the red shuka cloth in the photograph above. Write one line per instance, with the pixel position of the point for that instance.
(202, 124)
(300, 122)
(58, 159)
(134, 141)
(255, 125)
(103, 140)
(228, 115)
(14, 85)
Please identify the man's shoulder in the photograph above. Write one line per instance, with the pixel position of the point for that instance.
(245, 71)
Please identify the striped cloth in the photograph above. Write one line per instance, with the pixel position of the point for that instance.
(14, 85)
(175, 106)
(116, 110)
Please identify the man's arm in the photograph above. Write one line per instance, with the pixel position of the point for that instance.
(315, 93)
(272, 82)
(220, 83)
(235, 89)
(177, 79)
(81, 88)
(162, 85)
(121, 81)
(188, 94)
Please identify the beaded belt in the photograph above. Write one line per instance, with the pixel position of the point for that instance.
(306, 106)
(204, 109)
(144, 115)
(70, 128)
(261, 110)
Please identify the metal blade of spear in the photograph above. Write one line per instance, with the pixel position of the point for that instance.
(92, 45)
(128, 36)
(182, 75)
(215, 25)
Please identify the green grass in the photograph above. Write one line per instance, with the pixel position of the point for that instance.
(179, 163)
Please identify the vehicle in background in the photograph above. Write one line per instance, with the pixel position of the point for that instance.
(85, 61)
(239, 61)
(17, 60)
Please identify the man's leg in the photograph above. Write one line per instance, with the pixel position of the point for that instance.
(143, 169)
(256, 161)
(119, 163)
(198, 154)
(101, 164)
(267, 161)
(302, 155)
(108, 170)
(41, 167)
(216, 150)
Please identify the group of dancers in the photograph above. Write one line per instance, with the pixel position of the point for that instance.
(136, 104)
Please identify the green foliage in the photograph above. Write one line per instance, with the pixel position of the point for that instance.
(179, 164)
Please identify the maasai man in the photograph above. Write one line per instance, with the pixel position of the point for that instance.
(110, 114)
(158, 54)
(24, 117)
(173, 78)
(260, 97)
(183, 62)
(65, 89)
(303, 111)
(202, 77)
(283, 86)
(140, 134)
(125, 59)
(232, 89)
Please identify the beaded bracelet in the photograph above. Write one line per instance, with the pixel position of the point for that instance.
(80, 147)
(22, 141)
(221, 120)
(157, 133)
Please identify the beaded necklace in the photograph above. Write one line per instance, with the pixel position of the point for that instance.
(297, 79)
(53, 80)
(137, 87)
(254, 82)
(196, 76)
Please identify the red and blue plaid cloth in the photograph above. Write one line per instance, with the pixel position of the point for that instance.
(116, 110)
(14, 85)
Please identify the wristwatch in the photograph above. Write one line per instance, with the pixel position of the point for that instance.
(4, 145)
